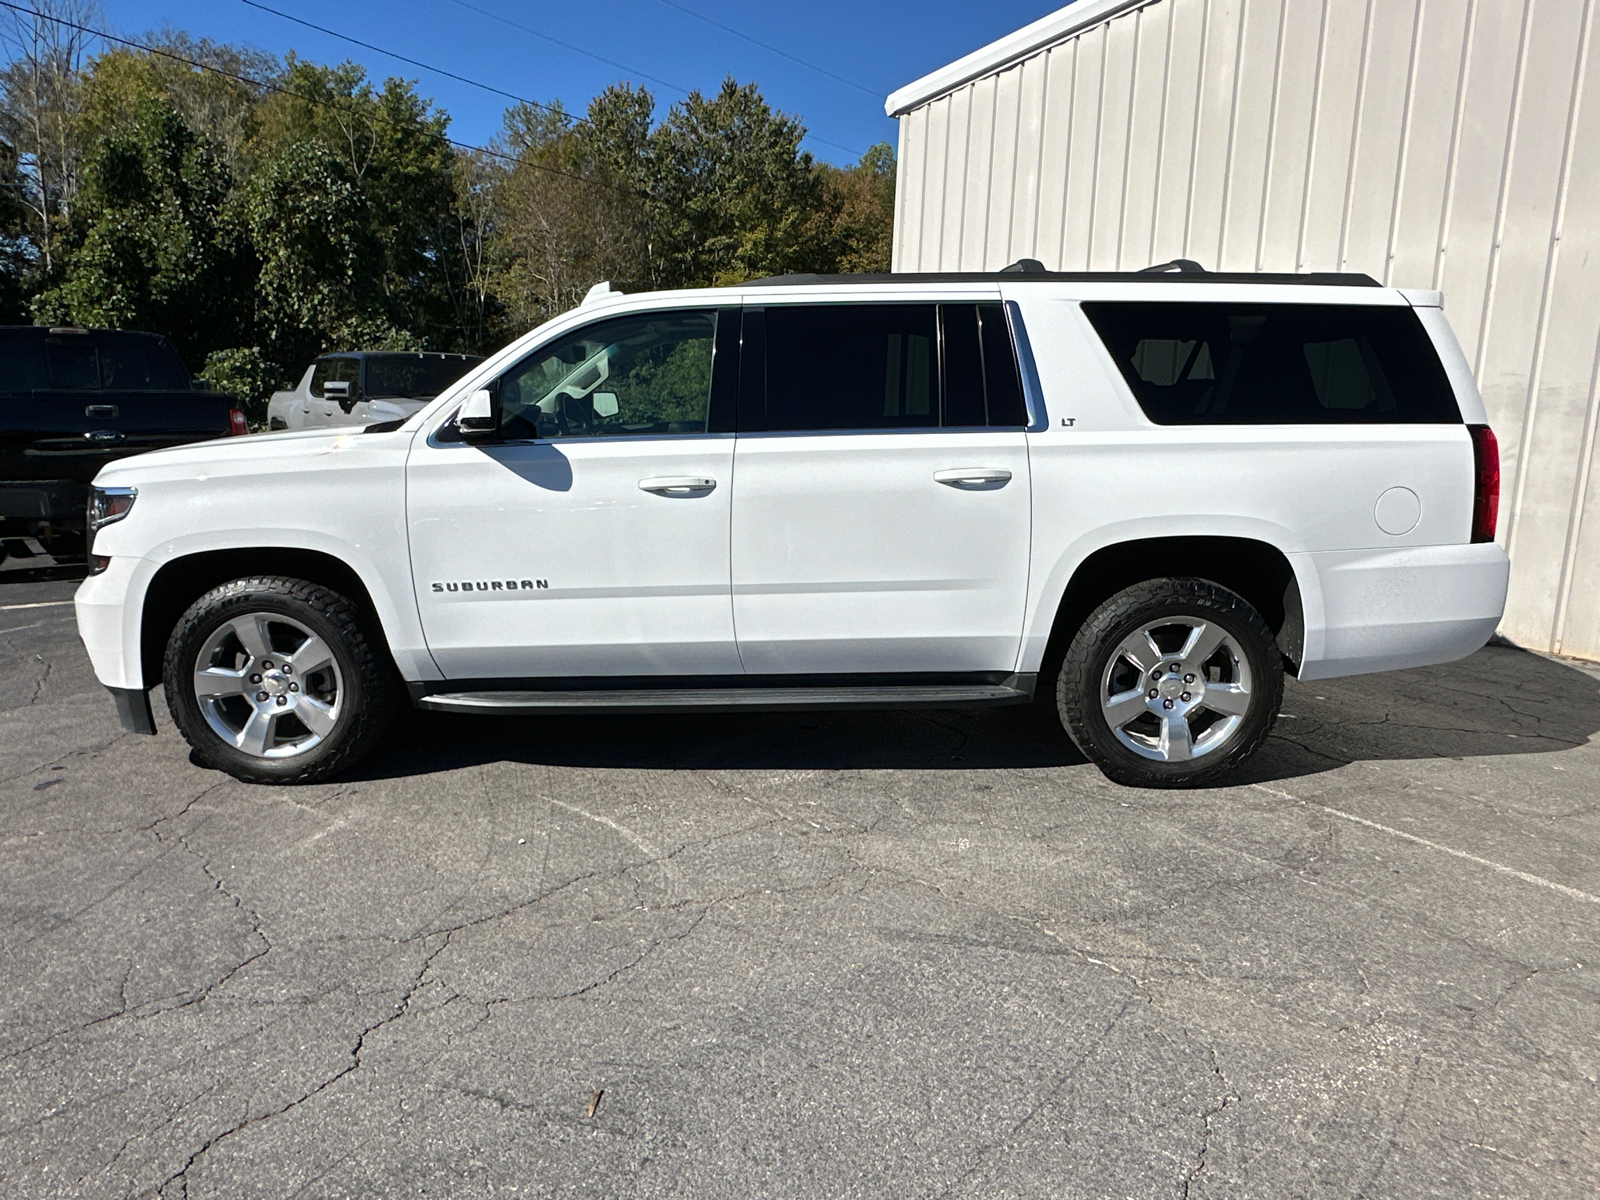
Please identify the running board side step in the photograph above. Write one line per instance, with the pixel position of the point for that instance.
(1015, 689)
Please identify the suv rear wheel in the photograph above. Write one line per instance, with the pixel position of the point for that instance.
(275, 680)
(1171, 683)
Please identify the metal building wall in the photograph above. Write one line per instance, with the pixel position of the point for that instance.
(1449, 144)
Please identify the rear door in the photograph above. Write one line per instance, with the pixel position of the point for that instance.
(881, 491)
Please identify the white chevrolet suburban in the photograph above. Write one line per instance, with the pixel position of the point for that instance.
(1141, 496)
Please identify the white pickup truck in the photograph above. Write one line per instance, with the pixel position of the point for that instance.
(1140, 497)
(365, 388)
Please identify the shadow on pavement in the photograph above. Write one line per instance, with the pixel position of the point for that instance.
(1501, 701)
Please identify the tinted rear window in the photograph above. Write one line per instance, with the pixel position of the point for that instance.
(141, 365)
(1289, 364)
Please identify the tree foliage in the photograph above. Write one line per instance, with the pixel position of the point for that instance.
(260, 213)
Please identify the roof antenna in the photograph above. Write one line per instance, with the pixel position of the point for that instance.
(1025, 266)
(1178, 266)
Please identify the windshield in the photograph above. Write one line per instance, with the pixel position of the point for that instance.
(414, 376)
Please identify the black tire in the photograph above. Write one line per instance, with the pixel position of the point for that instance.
(363, 695)
(1096, 663)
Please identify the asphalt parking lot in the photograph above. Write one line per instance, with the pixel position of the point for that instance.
(882, 954)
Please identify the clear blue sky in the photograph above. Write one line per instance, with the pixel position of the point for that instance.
(879, 46)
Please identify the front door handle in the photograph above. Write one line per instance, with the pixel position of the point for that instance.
(972, 477)
(677, 485)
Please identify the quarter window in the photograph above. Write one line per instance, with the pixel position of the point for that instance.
(1289, 364)
(644, 374)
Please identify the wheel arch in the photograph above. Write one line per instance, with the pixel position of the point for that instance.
(1257, 570)
(181, 581)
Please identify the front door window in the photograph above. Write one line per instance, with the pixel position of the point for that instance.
(645, 374)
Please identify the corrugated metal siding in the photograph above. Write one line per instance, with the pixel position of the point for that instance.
(1450, 144)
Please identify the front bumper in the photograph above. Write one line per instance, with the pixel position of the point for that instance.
(108, 623)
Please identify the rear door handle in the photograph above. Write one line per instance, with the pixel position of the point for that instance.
(677, 485)
(973, 476)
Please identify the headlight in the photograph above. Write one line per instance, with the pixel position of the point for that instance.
(107, 505)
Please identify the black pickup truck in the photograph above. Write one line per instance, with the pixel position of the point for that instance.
(71, 400)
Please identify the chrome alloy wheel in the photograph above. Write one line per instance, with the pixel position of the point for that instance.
(268, 686)
(1176, 689)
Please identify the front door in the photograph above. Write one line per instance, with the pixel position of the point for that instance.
(881, 517)
(591, 539)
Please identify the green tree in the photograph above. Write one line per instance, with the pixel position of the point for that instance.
(154, 244)
(732, 195)
(320, 259)
(566, 215)
(391, 148)
(858, 210)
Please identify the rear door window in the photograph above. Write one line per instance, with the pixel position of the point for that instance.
(1287, 364)
(885, 367)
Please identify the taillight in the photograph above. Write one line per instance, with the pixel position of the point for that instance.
(237, 425)
(1486, 483)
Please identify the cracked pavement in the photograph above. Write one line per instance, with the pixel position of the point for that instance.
(805, 954)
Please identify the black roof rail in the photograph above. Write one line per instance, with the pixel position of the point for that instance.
(1181, 266)
(1024, 270)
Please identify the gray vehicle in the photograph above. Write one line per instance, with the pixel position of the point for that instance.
(365, 387)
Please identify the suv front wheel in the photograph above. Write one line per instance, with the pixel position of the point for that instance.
(1171, 683)
(275, 680)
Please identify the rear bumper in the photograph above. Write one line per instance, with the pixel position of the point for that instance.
(57, 500)
(1386, 610)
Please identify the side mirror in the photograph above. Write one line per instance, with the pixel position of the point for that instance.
(337, 389)
(605, 404)
(477, 419)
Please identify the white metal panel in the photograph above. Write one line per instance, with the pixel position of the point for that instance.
(1179, 129)
(1293, 121)
(1333, 134)
(1254, 85)
(1111, 172)
(957, 144)
(1219, 61)
(1060, 88)
(1382, 107)
(1432, 134)
(1083, 162)
(1026, 185)
(1145, 137)
(1494, 61)
(979, 175)
(1003, 170)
